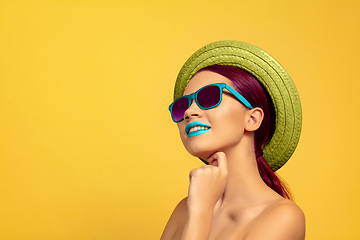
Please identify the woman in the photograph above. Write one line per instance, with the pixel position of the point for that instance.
(238, 111)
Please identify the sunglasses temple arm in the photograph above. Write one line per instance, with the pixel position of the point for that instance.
(239, 96)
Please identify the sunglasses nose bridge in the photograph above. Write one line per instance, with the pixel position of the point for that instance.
(193, 110)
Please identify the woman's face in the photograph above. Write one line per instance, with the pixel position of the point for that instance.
(226, 121)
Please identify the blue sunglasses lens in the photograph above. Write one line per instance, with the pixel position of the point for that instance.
(207, 97)
(179, 107)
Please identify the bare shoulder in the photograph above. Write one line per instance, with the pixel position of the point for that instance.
(280, 220)
(176, 223)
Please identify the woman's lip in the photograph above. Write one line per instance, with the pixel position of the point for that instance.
(196, 124)
(199, 132)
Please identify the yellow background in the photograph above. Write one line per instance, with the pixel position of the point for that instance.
(87, 146)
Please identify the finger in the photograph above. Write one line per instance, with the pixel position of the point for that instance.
(222, 160)
(220, 157)
(191, 174)
(212, 158)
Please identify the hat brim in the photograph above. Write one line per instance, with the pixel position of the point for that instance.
(273, 78)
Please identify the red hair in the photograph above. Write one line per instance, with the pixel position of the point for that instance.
(247, 85)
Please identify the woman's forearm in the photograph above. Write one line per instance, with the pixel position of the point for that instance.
(207, 185)
(198, 225)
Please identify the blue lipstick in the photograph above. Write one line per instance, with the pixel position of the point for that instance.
(196, 124)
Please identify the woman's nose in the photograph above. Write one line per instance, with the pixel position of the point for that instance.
(193, 111)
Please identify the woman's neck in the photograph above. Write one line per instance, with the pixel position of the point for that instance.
(244, 187)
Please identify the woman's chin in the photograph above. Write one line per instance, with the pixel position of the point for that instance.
(200, 153)
(204, 149)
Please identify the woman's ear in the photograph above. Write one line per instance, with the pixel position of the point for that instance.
(254, 120)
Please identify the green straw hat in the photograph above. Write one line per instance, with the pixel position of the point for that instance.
(272, 77)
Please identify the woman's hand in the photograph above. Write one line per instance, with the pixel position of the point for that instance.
(207, 184)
